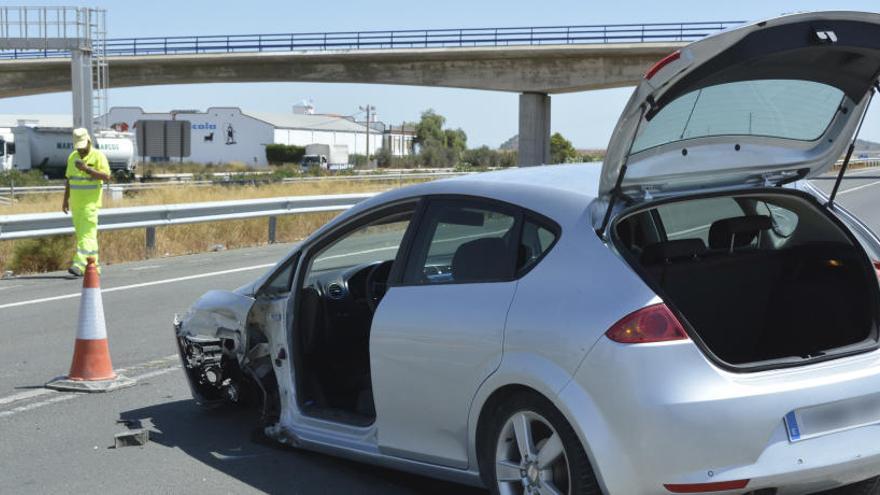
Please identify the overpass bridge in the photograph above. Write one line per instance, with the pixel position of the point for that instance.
(533, 61)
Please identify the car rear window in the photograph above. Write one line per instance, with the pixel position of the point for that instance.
(778, 108)
(536, 240)
(692, 219)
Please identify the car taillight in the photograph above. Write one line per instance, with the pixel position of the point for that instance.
(877, 268)
(663, 62)
(707, 487)
(654, 323)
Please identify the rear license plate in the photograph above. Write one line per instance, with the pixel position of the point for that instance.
(815, 421)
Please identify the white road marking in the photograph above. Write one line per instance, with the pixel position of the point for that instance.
(35, 405)
(856, 188)
(10, 287)
(153, 374)
(137, 286)
(32, 394)
(65, 396)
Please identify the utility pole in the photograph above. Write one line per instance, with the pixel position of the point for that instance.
(370, 109)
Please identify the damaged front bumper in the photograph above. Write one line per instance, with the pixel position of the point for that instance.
(211, 339)
(202, 362)
(224, 354)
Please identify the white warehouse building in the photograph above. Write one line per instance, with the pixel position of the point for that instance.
(227, 134)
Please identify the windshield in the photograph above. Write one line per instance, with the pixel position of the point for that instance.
(779, 108)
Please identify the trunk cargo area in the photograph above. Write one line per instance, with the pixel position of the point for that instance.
(752, 296)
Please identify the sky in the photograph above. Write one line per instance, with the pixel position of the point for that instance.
(488, 117)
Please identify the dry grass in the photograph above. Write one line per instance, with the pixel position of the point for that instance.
(37, 255)
(190, 168)
(38, 203)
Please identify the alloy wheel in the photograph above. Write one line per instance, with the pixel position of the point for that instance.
(530, 458)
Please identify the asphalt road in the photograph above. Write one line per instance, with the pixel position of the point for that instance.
(53, 442)
(859, 193)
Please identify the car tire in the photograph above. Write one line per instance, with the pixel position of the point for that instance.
(542, 421)
(867, 487)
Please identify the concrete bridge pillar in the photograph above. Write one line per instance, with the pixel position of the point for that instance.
(534, 129)
(82, 87)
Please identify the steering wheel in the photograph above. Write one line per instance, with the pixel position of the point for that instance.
(377, 283)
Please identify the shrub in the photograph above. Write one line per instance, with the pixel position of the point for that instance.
(357, 159)
(383, 158)
(44, 254)
(561, 150)
(278, 154)
(484, 157)
(593, 156)
(20, 179)
(409, 161)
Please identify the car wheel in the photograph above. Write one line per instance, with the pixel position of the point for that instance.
(867, 487)
(530, 449)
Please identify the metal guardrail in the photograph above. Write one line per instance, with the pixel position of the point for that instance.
(378, 40)
(150, 217)
(7, 194)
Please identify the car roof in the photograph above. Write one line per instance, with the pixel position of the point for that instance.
(521, 186)
(577, 178)
(561, 192)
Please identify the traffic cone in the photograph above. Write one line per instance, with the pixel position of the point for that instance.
(91, 370)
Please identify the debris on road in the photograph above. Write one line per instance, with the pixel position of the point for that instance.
(133, 438)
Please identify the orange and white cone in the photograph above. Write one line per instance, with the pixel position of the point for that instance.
(91, 369)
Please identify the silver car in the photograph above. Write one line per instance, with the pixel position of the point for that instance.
(691, 316)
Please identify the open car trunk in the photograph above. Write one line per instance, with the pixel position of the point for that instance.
(761, 279)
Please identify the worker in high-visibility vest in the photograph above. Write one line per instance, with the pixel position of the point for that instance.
(87, 170)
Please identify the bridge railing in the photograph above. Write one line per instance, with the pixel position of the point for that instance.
(381, 40)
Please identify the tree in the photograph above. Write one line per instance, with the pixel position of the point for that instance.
(561, 150)
(456, 140)
(439, 147)
(429, 130)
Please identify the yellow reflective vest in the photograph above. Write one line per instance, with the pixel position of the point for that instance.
(83, 188)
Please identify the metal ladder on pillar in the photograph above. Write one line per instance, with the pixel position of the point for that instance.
(97, 37)
(81, 32)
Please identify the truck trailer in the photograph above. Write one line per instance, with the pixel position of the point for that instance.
(326, 156)
(47, 149)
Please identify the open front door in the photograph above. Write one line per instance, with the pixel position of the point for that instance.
(438, 332)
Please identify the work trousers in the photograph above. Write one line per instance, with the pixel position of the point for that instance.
(85, 223)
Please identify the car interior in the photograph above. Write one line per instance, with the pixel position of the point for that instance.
(759, 278)
(346, 280)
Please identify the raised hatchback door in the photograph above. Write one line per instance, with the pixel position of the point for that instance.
(766, 103)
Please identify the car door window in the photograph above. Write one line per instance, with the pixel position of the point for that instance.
(463, 243)
(282, 280)
(370, 243)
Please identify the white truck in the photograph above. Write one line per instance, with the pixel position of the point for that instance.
(47, 149)
(326, 156)
(7, 148)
